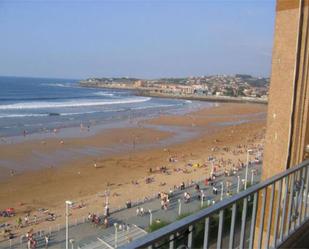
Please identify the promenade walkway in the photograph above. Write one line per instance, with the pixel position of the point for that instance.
(87, 236)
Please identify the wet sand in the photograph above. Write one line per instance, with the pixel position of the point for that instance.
(80, 181)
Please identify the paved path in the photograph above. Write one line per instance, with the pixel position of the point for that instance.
(86, 233)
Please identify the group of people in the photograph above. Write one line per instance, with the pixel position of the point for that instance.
(187, 197)
(140, 211)
(96, 220)
(32, 242)
(164, 197)
(20, 223)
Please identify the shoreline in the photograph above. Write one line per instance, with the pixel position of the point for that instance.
(80, 181)
(146, 92)
(223, 99)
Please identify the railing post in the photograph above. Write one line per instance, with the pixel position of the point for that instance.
(306, 192)
(282, 224)
(270, 214)
(300, 201)
(253, 220)
(262, 218)
(291, 192)
(190, 235)
(294, 200)
(232, 229)
(219, 238)
(277, 214)
(171, 244)
(243, 223)
(206, 232)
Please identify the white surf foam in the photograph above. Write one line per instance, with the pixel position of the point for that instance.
(80, 103)
(104, 94)
(155, 106)
(59, 84)
(22, 115)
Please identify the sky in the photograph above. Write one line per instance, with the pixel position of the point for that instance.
(135, 38)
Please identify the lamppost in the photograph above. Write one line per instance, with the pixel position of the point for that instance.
(106, 194)
(252, 176)
(150, 217)
(238, 184)
(221, 198)
(179, 207)
(67, 203)
(246, 176)
(72, 241)
(115, 225)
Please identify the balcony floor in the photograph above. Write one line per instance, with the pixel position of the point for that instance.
(298, 240)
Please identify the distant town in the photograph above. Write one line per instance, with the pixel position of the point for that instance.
(239, 87)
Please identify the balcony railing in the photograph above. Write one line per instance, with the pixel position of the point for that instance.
(263, 216)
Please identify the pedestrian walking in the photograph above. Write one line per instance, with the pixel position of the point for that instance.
(46, 241)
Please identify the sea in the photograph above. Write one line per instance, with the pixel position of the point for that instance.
(42, 105)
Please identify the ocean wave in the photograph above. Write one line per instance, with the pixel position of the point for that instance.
(104, 94)
(155, 106)
(78, 113)
(64, 104)
(22, 115)
(59, 84)
(52, 114)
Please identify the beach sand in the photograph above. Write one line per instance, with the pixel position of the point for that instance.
(80, 181)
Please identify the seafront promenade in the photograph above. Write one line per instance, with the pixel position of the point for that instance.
(86, 235)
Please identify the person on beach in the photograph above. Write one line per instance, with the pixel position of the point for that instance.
(197, 187)
(26, 220)
(19, 222)
(142, 211)
(29, 244)
(137, 211)
(106, 223)
(162, 204)
(187, 197)
(12, 172)
(170, 194)
(214, 190)
(129, 204)
(46, 238)
(89, 217)
(33, 243)
(35, 219)
(106, 211)
(182, 186)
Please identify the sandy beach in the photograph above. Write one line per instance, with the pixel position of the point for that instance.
(224, 132)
